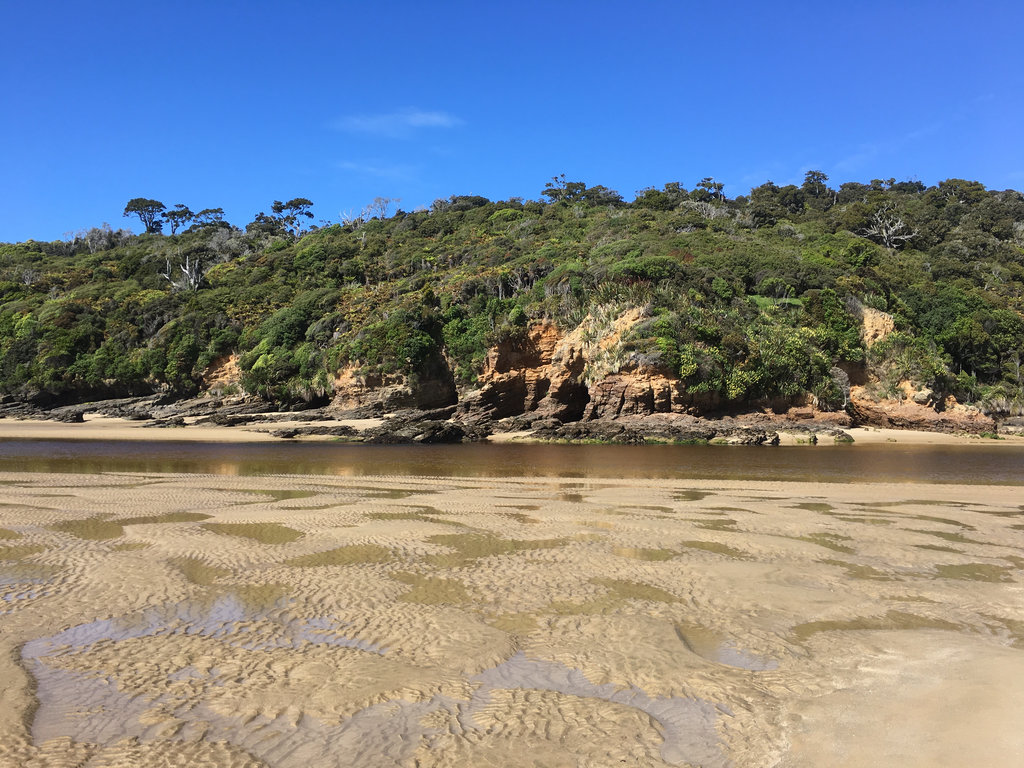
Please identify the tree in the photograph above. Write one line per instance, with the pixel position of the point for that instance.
(962, 191)
(266, 226)
(148, 212)
(209, 217)
(189, 274)
(888, 228)
(288, 213)
(770, 202)
(708, 189)
(178, 217)
(378, 209)
(559, 190)
(601, 195)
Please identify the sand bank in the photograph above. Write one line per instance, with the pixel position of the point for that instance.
(162, 619)
(98, 427)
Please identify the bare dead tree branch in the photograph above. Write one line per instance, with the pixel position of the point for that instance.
(888, 228)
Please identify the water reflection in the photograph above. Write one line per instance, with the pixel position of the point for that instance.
(871, 463)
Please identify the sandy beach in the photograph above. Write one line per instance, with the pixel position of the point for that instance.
(99, 427)
(208, 620)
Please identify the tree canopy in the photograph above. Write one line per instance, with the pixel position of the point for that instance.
(148, 212)
(742, 299)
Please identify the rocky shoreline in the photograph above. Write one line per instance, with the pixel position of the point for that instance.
(457, 424)
(545, 385)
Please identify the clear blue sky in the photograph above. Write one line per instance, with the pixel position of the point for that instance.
(236, 104)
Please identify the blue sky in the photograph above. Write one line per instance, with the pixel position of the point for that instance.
(237, 104)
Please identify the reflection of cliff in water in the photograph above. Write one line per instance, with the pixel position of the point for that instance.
(971, 464)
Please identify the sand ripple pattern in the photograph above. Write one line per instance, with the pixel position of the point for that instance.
(294, 621)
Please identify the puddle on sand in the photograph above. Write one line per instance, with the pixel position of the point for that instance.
(814, 506)
(911, 599)
(939, 548)
(130, 546)
(514, 623)
(858, 571)
(199, 572)
(87, 707)
(470, 547)
(431, 590)
(275, 495)
(265, 533)
(999, 512)
(691, 495)
(6, 534)
(958, 538)
(976, 572)
(372, 492)
(724, 524)
(103, 528)
(90, 529)
(650, 555)
(831, 541)
(245, 619)
(911, 503)
(23, 581)
(1013, 627)
(891, 620)
(520, 517)
(352, 554)
(170, 517)
(944, 521)
(687, 725)
(865, 519)
(423, 514)
(720, 649)
(716, 548)
(19, 551)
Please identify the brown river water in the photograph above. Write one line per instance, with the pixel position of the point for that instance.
(315, 604)
(969, 464)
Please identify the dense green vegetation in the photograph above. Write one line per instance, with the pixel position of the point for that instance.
(746, 298)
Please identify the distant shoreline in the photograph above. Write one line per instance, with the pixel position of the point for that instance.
(99, 427)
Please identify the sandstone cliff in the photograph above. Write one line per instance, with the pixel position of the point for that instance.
(384, 393)
(920, 411)
(539, 373)
(548, 377)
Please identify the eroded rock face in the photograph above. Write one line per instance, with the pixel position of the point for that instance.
(385, 393)
(540, 373)
(946, 416)
(634, 392)
(222, 375)
(875, 324)
(544, 375)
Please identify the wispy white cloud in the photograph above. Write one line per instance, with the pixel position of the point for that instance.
(400, 124)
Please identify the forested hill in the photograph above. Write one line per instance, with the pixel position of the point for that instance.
(740, 299)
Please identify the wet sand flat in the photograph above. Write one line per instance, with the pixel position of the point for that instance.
(157, 619)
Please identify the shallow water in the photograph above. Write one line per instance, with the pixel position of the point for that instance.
(997, 464)
(399, 619)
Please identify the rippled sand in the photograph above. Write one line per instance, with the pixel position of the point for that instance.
(159, 620)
